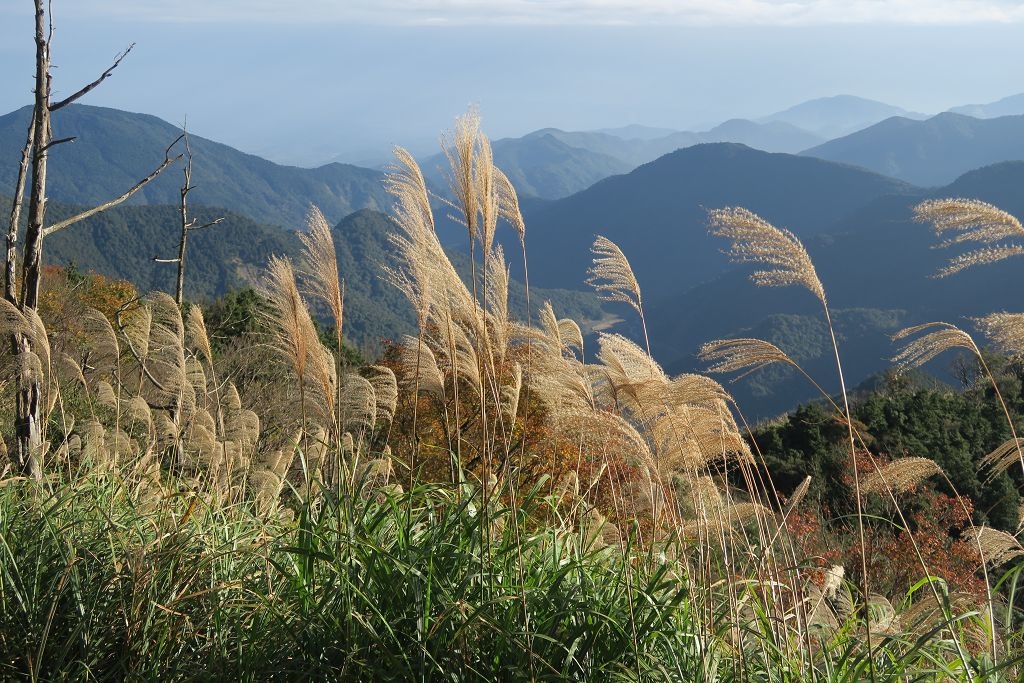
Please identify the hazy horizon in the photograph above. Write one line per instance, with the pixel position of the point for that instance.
(355, 78)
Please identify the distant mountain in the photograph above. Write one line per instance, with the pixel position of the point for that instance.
(123, 241)
(552, 163)
(831, 117)
(1008, 106)
(770, 136)
(541, 166)
(657, 213)
(876, 264)
(931, 152)
(636, 132)
(114, 149)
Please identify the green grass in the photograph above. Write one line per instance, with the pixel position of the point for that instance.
(390, 585)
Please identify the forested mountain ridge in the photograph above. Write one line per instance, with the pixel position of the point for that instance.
(123, 242)
(932, 152)
(114, 149)
(658, 213)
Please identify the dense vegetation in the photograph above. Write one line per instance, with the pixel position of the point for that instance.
(228, 493)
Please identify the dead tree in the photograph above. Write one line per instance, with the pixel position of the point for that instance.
(29, 399)
(187, 225)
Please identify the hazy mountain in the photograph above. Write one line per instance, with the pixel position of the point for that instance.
(1008, 106)
(636, 132)
(830, 117)
(771, 136)
(876, 265)
(114, 149)
(931, 152)
(658, 212)
(551, 164)
(541, 165)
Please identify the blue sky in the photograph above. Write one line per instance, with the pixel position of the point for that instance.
(351, 77)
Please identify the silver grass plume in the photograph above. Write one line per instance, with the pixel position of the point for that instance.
(798, 496)
(323, 377)
(358, 403)
(510, 392)
(487, 191)
(460, 148)
(755, 240)
(104, 349)
(322, 260)
(612, 277)
(164, 366)
(689, 389)
(563, 335)
(509, 204)
(1003, 457)
(293, 330)
(900, 475)
(742, 355)
(496, 298)
(385, 390)
(970, 220)
(104, 394)
(634, 379)
(135, 324)
(1006, 330)
(69, 369)
(997, 547)
(138, 412)
(406, 183)
(196, 336)
(195, 376)
(431, 380)
(942, 337)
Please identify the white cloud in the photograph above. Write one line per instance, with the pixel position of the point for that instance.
(562, 12)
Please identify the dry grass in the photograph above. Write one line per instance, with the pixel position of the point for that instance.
(969, 220)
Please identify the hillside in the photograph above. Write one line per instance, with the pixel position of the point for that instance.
(122, 242)
(931, 152)
(114, 149)
(876, 265)
(657, 213)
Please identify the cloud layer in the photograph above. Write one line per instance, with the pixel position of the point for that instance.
(565, 12)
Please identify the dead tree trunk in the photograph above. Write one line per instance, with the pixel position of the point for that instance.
(28, 419)
(187, 225)
(28, 404)
(11, 273)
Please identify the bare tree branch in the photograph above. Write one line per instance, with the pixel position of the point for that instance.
(104, 76)
(59, 141)
(193, 228)
(168, 160)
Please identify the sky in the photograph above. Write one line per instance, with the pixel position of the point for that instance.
(322, 79)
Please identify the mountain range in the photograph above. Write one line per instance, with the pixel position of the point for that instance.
(122, 242)
(552, 164)
(1008, 106)
(114, 149)
(931, 152)
(857, 225)
(657, 213)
